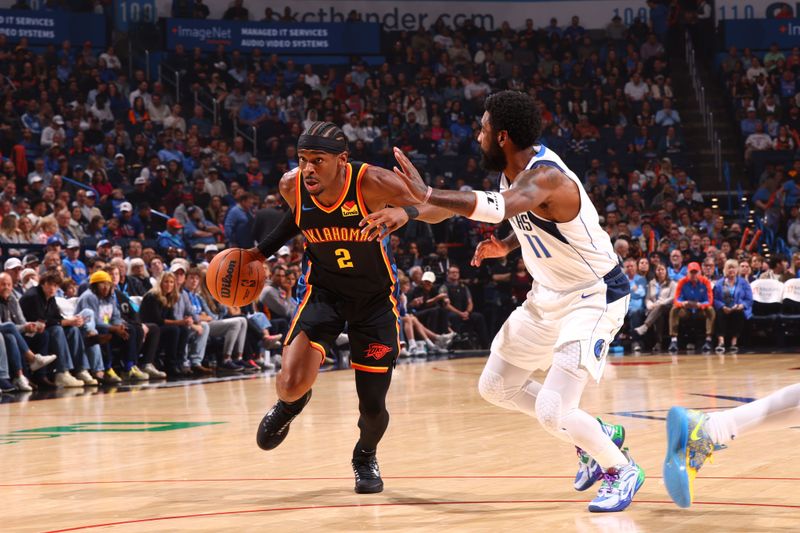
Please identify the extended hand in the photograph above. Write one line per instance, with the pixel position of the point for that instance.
(492, 247)
(381, 223)
(410, 176)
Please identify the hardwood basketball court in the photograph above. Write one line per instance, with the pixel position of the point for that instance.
(185, 458)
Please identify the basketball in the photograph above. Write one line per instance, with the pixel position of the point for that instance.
(234, 278)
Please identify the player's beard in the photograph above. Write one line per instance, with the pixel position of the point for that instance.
(493, 160)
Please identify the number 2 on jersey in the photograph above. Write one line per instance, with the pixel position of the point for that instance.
(344, 258)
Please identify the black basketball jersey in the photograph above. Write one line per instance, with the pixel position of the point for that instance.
(338, 258)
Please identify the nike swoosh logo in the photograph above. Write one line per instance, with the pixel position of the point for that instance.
(587, 295)
(304, 208)
(695, 431)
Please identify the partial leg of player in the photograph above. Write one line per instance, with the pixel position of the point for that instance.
(693, 436)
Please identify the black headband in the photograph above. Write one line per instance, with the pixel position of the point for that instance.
(323, 144)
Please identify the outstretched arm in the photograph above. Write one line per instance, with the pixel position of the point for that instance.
(532, 189)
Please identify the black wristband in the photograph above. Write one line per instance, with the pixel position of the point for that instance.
(411, 211)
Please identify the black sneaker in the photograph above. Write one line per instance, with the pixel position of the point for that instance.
(368, 475)
(275, 425)
(673, 347)
(7, 386)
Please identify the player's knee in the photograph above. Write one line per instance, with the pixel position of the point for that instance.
(548, 410)
(567, 357)
(291, 386)
(491, 387)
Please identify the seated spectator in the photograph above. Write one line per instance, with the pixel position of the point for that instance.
(666, 116)
(778, 269)
(459, 305)
(12, 324)
(101, 301)
(233, 329)
(427, 304)
(660, 295)
(636, 310)
(733, 301)
(758, 141)
(676, 270)
(60, 335)
(170, 241)
(428, 341)
(276, 297)
(693, 296)
(129, 312)
(157, 308)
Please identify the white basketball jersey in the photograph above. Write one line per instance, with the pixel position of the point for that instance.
(563, 256)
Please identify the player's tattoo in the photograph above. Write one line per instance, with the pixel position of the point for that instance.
(411, 211)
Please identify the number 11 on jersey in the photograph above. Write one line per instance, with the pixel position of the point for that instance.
(540, 246)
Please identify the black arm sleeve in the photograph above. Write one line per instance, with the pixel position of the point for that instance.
(285, 230)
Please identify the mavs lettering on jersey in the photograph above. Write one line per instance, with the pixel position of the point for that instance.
(563, 255)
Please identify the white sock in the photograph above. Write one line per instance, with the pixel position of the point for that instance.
(779, 410)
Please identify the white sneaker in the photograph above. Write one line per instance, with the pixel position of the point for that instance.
(41, 361)
(445, 339)
(65, 379)
(620, 484)
(22, 384)
(153, 372)
(86, 377)
(641, 330)
(277, 360)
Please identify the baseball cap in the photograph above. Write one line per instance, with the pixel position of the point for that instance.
(429, 276)
(177, 266)
(174, 223)
(12, 263)
(284, 250)
(58, 119)
(73, 243)
(103, 242)
(91, 194)
(36, 178)
(161, 167)
(118, 155)
(694, 266)
(140, 180)
(27, 272)
(30, 259)
(210, 248)
(125, 206)
(54, 239)
(99, 277)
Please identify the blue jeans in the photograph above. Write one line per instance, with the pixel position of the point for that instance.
(15, 344)
(67, 344)
(94, 352)
(3, 362)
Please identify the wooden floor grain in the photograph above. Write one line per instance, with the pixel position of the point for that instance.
(450, 461)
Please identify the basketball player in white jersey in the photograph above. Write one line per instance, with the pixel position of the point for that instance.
(579, 296)
(692, 435)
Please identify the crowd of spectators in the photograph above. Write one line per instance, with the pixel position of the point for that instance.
(115, 193)
(764, 96)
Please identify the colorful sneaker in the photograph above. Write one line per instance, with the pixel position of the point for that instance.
(620, 484)
(110, 377)
(588, 469)
(688, 447)
(135, 374)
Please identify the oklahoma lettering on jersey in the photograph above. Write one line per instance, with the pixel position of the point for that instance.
(563, 256)
(334, 234)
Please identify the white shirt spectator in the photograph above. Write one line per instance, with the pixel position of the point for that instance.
(636, 91)
(112, 61)
(158, 113)
(175, 122)
(312, 80)
(51, 135)
(758, 141)
(351, 132)
(476, 89)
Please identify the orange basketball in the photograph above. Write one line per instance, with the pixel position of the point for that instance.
(234, 277)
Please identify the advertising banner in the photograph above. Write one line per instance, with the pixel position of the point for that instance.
(760, 34)
(46, 27)
(311, 38)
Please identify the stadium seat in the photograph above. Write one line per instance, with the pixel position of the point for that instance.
(767, 302)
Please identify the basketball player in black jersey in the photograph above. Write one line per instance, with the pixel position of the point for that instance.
(347, 278)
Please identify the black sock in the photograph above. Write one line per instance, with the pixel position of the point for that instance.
(297, 406)
(358, 451)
